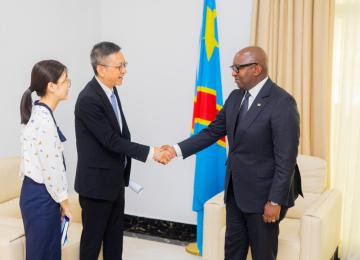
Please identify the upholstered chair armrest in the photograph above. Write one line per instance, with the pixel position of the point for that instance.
(11, 209)
(75, 207)
(320, 227)
(214, 222)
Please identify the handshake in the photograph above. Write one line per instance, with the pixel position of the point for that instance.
(164, 154)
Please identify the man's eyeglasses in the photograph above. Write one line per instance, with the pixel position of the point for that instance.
(119, 67)
(237, 67)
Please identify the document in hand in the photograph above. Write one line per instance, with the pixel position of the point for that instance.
(64, 229)
(135, 187)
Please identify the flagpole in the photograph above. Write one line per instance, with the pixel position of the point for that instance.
(210, 162)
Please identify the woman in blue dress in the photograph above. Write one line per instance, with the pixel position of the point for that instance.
(44, 193)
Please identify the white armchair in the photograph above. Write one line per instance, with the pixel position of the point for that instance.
(12, 239)
(310, 230)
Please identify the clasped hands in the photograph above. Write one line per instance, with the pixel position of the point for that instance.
(164, 154)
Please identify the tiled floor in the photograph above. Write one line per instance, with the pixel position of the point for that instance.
(159, 229)
(141, 249)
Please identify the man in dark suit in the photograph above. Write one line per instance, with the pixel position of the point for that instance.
(104, 155)
(261, 122)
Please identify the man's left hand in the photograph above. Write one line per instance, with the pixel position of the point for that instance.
(271, 213)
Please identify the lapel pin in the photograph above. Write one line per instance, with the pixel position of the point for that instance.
(258, 104)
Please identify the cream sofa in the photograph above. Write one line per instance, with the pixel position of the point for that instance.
(310, 230)
(12, 239)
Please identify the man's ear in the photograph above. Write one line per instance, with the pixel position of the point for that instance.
(100, 70)
(258, 70)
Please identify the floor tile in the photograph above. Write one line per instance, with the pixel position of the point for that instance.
(141, 249)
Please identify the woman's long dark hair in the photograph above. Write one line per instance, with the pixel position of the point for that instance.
(42, 73)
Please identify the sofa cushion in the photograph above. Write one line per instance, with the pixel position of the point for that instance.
(221, 248)
(10, 208)
(10, 180)
(289, 239)
(314, 182)
(302, 204)
(14, 224)
(12, 242)
(313, 173)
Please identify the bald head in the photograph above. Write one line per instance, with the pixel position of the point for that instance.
(250, 67)
(254, 54)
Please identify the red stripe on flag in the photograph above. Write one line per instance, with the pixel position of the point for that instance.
(205, 107)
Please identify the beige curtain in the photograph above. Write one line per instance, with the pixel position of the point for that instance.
(345, 129)
(297, 36)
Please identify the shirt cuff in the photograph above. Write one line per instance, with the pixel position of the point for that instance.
(178, 151)
(274, 203)
(61, 197)
(150, 155)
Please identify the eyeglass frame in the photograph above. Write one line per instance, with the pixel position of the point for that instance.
(123, 65)
(237, 67)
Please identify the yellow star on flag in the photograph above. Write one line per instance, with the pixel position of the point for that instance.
(210, 40)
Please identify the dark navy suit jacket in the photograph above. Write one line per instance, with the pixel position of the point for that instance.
(102, 146)
(263, 150)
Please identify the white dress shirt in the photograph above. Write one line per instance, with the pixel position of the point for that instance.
(254, 91)
(108, 93)
(42, 153)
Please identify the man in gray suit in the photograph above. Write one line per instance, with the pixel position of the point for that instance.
(261, 122)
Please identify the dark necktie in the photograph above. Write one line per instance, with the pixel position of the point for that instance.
(243, 109)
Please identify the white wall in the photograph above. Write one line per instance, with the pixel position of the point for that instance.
(160, 41)
(34, 30)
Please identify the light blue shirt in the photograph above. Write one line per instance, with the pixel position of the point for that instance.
(108, 93)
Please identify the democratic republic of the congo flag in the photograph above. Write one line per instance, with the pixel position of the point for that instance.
(210, 163)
